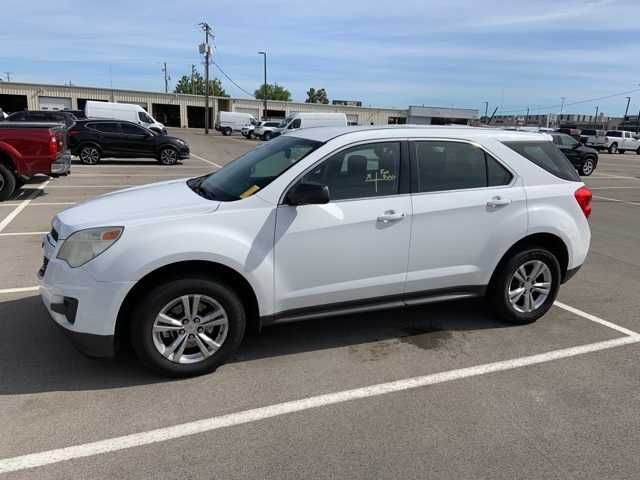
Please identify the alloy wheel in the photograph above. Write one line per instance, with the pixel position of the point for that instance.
(168, 156)
(530, 286)
(90, 155)
(190, 328)
(587, 168)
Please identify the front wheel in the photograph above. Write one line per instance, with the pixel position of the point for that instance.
(187, 326)
(588, 167)
(89, 155)
(526, 286)
(7, 183)
(227, 131)
(613, 148)
(266, 136)
(168, 156)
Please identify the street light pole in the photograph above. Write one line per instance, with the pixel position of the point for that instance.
(626, 110)
(207, 55)
(562, 99)
(486, 110)
(166, 77)
(264, 91)
(596, 122)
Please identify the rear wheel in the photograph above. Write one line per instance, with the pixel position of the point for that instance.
(168, 156)
(588, 167)
(266, 136)
(613, 148)
(89, 155)
(227, 131)
(526, 286)
(7, 182)
(187, 326)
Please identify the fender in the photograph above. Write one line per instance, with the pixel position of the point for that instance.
(14, 156)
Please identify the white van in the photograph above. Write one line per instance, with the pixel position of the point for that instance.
(123, 111)
(306, 120)
(229, 122)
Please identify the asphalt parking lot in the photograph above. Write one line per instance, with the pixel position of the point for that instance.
(441, 391)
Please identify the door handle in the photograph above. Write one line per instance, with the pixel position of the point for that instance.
(496, 202)
(390, 216)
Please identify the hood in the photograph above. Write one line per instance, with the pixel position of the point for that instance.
(142, 204)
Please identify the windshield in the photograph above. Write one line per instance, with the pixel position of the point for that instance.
(254, 170)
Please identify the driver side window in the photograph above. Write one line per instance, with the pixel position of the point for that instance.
(370, 170)
(295, 124)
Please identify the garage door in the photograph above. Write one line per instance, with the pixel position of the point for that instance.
(250, 111)
(54, 103)
(352, 119)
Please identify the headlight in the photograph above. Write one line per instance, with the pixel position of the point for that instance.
(85, 245)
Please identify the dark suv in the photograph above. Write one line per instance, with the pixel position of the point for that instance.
(93, 139)
(585, 159)
(43, 116)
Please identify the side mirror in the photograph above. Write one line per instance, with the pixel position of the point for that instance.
(308, 194)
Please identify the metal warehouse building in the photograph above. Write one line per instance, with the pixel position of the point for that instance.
(180, 110)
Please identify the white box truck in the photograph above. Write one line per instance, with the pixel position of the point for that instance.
(229, 122)
(123, 111)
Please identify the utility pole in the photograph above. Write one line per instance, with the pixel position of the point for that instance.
(526, 120)
(626, 110)
(486, 110)
(206, 50)
(264, 92)
(596, 122)
(166, 77)
(8, 74)
(193, 75)
(562, 99)
(638, 123)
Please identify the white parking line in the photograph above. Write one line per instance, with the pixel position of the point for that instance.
(127, 175)
(94, 186)
(604, 176)
(18, 290)
(38, 204)
(595, 319)
(207, 161)
(136, 167)
(9, 218)
(49, 457)
(613, 188)
(20, 234)
(615, 200)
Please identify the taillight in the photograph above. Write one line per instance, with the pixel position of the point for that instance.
(53, 145)
(583, 197)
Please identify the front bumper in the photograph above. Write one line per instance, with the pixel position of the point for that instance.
(62, 165)
(184, 153)
(84, 308)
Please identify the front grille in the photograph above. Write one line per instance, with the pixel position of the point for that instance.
(54, 234)
(43, 268)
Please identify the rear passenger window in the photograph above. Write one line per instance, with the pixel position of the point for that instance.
(548, 157)
(106, 127)
(443, 166)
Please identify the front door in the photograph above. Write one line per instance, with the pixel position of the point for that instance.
(354, 248)
(138, 141)
(468, 209)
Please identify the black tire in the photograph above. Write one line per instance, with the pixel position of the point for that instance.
(227, 131)
(588, 167)
(151, 304)
(503, 280)
(89, 154)
(266, 136)
(250, 135)
(638, 151)
(7, 183)
(613, 148)
(168, 156)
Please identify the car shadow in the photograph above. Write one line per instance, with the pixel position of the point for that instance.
(35, 355)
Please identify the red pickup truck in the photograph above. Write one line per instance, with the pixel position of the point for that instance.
(27, 149)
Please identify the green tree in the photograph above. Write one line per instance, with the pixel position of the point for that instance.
(196, 86)
(317, 96)
(274, 92)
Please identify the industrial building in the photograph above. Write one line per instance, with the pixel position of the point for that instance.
(557, 120)
(181, 110)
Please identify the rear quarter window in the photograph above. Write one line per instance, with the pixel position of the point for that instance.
(548, 157)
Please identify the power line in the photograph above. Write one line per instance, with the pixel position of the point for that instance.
(232, 81)
(564, 105)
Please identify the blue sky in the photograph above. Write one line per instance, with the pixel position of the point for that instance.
(390, 53)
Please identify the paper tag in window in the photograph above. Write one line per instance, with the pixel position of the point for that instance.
(249, 191)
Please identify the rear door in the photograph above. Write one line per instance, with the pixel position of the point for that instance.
(468, 209)
(109, 136)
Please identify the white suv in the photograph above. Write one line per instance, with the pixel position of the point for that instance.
(317, 222)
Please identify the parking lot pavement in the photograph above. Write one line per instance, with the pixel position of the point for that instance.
(471, 397)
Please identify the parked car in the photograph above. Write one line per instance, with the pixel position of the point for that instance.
(27, 149)
(43, 116)
(584, 159)
(94, 139)
(79, 114)
(264, 130)
(594, 138)
(123, 111)
(229, 122)
(315, 223)
(619, 141)
(310, 119)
